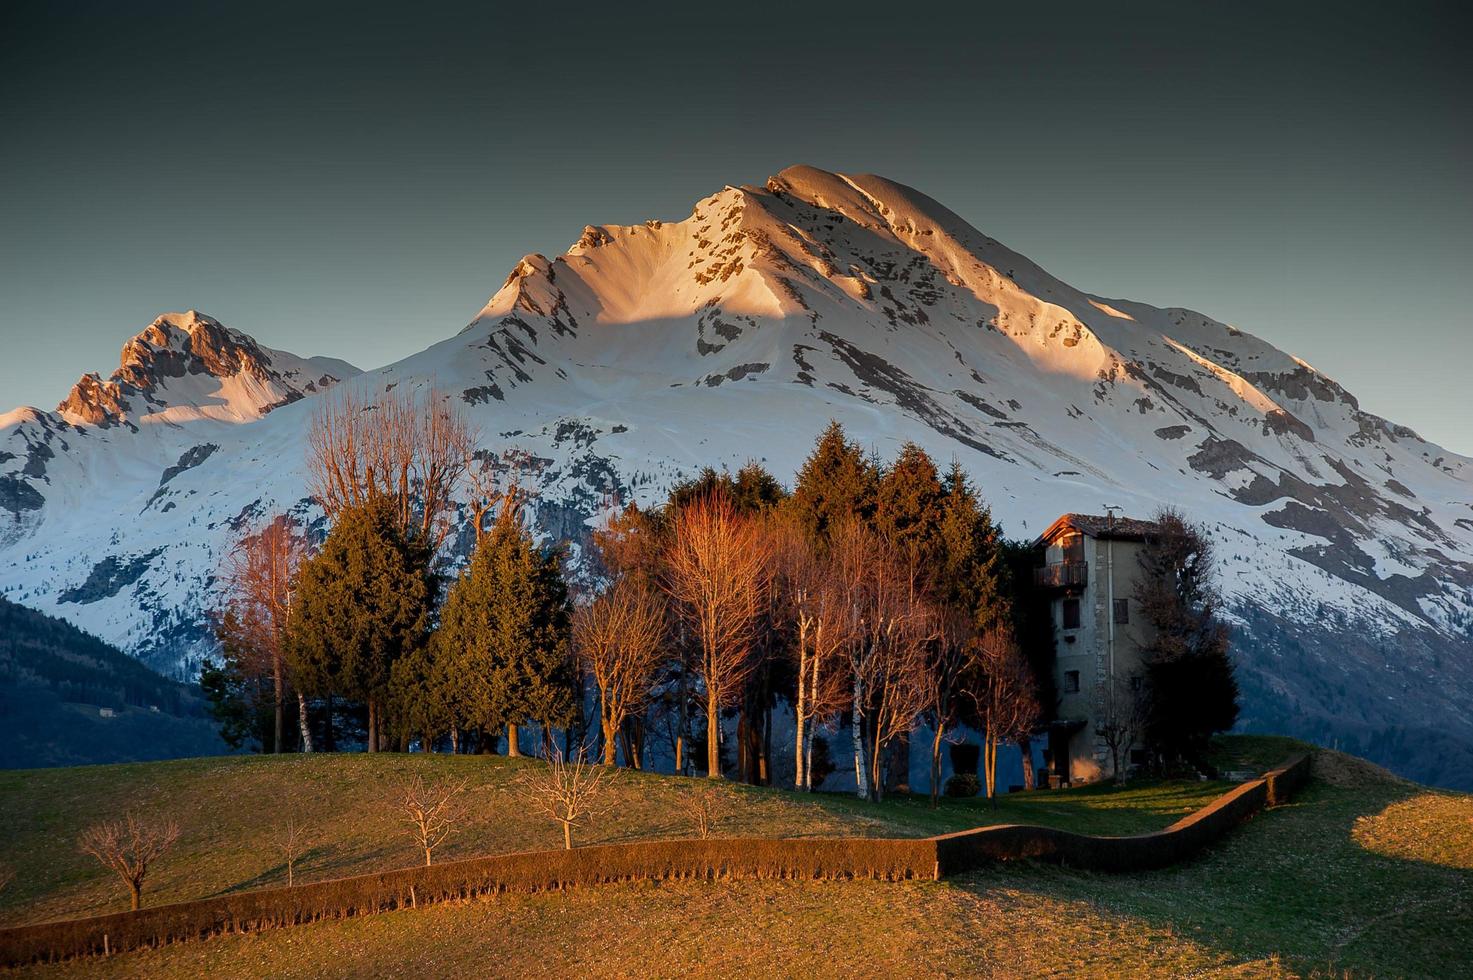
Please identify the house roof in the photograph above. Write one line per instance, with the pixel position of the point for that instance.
(1099, 526)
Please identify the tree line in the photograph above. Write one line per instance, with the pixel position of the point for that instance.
(871, 597)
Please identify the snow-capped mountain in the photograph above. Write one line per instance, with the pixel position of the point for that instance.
(648, 351)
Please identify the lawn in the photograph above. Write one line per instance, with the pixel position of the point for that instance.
(229, 809)
(1349, 879)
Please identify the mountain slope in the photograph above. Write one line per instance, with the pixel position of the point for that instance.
(647, 351)
(67, 698)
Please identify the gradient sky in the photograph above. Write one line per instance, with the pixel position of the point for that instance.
(355, 179)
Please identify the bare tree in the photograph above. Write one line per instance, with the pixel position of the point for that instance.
(128, 847)
(571, 792)
(822, 624)
(887, 634)
(944, 682)
(897, 626)
(617, 637)
(705, 805)
(290, 839)
(715, 567)
(434, 812)
(412, 450)
(1123, 713)
(1003, 695)
(260, 576)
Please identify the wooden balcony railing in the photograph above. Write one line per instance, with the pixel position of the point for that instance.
(1062, 575)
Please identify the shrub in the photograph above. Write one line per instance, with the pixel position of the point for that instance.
(963, 784)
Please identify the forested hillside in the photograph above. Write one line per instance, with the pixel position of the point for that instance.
(67, 698)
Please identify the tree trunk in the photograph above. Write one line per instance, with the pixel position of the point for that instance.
(567, 836)
(877, 765)
(799, 705)
(513, 744)
(989, 750)
(682, 742)
(135, 894)
(808, 762)
(936, 764)
(278, 680)
(764, 760)
(611, 745)
(634, 742)
(332, 743)
(303, 722)
(857, 733)
(713, 735)
(454, 739)
(372, 726)
(427, 857)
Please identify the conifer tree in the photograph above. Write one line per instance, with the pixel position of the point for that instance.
(972, 572)
(504, 635)
(836, 483)
(363, 602)
(909, 506)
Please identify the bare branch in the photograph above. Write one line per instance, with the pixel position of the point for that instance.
(571, 792)
(128, 847)
(705, 805)
(434, 812)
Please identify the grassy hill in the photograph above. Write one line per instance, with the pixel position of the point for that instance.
(1362, 873)
(67, 698)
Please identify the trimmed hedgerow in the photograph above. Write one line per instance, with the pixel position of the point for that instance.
(717, 858)
(971, 848)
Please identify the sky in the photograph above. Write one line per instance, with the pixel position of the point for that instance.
(356, 179)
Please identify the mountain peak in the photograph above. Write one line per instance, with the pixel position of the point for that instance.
(187, 365)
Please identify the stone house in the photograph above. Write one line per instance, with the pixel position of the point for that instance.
(1088, 568)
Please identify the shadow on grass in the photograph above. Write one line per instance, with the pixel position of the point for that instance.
(1291, 882)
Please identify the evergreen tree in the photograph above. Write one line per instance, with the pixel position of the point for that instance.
(752, 491)
(504, 640)
(363, 602)
(969, 565)
(837, 482)
(909, 506)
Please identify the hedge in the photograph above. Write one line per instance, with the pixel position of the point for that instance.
(890, 859)
(969, 849)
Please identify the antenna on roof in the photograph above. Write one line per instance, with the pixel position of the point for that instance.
(1110, 510)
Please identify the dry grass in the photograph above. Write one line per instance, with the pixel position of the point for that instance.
(225, 808)
(740, 928)
(229, 810)
(1433, 827)
(1295, 892)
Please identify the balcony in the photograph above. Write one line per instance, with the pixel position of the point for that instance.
(1062, 575)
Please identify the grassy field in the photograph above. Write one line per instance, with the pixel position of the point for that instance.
(229, 809)
(1362, 874)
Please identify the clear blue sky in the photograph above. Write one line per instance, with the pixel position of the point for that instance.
(355, 179)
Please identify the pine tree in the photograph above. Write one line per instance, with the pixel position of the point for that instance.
(971, 570)
(504, 635)
(837, 482)
(909, 506)
(363, 602)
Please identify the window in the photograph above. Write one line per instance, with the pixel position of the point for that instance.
(1122, 611)
(1073, 547)
(1071, 614)
(1071, 682)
